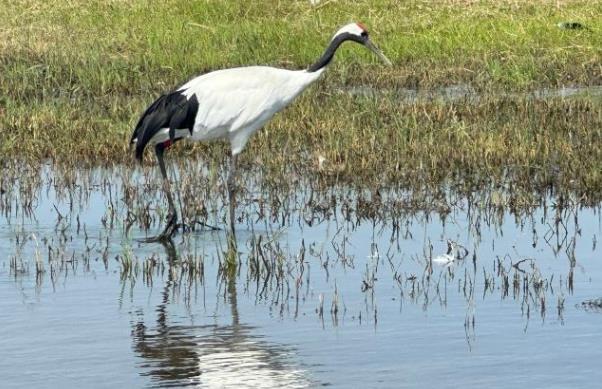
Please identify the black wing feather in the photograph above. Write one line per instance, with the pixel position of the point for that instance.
(173, 110)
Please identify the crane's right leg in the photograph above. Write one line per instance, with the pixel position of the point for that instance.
(231, 184)
(172, 216)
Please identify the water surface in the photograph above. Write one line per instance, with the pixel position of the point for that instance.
(338, 288)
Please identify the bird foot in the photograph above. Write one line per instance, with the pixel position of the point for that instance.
(173, 226)
(168, 232)
(188, 227)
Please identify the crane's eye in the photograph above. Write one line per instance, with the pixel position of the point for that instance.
(364, 34)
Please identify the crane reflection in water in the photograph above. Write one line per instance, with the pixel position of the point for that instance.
(211, 355)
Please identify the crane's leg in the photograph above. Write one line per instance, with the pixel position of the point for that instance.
(232, 191)
(172, 216)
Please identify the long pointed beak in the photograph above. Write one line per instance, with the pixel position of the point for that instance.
(377, 51)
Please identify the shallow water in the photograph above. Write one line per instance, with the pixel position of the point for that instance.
(463, 92)
(338, 289)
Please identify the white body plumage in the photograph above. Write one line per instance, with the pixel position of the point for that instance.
(243, 100)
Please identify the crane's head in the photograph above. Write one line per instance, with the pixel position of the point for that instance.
(357, 32)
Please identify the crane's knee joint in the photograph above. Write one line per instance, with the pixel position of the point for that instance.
(161, 147)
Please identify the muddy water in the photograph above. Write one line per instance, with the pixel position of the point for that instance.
(341, 288)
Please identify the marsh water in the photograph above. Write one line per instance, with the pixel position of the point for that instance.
(332, 286)
(466, 93)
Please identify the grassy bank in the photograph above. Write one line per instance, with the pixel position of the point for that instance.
(76, 75)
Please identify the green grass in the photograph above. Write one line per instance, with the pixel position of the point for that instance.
(126, 47)
(75, 75)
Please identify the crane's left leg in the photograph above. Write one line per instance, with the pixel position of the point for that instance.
(172, 216)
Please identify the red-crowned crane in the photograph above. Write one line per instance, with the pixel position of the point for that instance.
(229, 104)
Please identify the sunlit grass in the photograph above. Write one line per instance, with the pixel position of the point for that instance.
(76, 75)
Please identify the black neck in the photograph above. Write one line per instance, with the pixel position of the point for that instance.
(331, 49)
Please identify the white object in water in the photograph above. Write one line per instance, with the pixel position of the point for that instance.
(449, 257)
